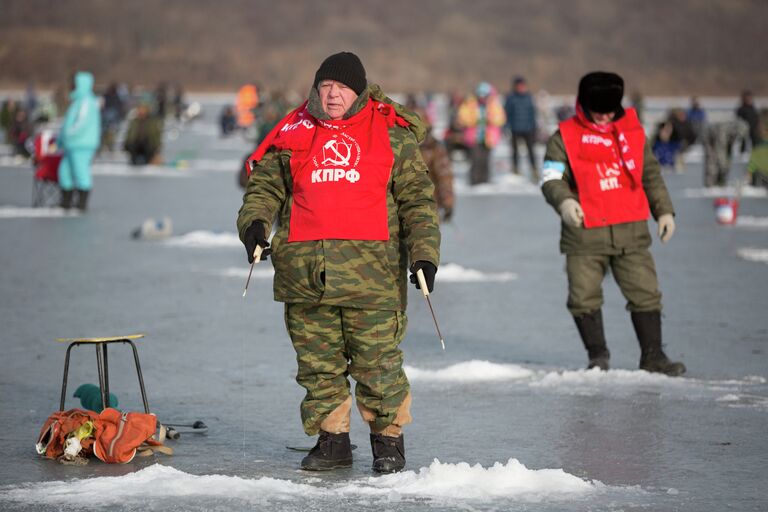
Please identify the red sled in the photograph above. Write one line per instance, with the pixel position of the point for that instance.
(46, 158)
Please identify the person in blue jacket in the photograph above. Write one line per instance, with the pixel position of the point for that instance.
(79, 139)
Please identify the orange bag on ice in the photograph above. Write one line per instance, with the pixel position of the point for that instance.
(120, 434)
(58, 427)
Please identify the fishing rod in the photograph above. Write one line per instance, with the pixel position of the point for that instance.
(256, 258)
(425, 291)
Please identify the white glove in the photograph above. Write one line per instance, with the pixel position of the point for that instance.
(72, 448)
(571, 212)
(666, 227)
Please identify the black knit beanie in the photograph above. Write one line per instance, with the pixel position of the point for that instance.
(344, 67)
(601, 92)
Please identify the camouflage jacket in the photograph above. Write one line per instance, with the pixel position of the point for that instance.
(609, 239)
(351, 273)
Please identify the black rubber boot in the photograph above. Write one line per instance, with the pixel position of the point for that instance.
(590, 326)
(388, 453)
(66, 199)
(332, 451)
(82, 200)
(652, 358)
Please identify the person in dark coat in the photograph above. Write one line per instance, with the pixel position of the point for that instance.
(748, 113)
(112, 115)
(697, 116)
(521, 122)
(20, 131)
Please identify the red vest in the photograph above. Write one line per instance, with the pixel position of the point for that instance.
(340, 172)
(607, 164)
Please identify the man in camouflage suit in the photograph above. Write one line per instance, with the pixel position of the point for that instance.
(600, 175)
(718, 141)
(344, 177)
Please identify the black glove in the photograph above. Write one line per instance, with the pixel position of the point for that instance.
(447, 215)
(254, 235)
(429, 274)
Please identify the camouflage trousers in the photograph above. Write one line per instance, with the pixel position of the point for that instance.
(634, 271)
(717, 165)
(332, 343)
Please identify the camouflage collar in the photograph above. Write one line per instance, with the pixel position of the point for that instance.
(315, 107)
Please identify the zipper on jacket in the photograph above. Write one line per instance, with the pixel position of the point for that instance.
(120, 428)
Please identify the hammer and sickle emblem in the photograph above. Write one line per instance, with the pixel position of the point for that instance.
(337, 158)
(607, 172)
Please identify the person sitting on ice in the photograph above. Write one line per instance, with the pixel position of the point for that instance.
(664, 148)
(144, 138)
(601, 177)
(344, 174)
(227, 120)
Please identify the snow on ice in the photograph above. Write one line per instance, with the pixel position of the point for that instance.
(14, 162)
(453, 273)
(745, 221)
(470, 371)
(259, 272)
(126, 170)
(754, 254)
(474, 482)
(745, 400)
(442, 481)
(449, 272)
(14, 212)
(179, 168)
(156, 481)
(224, 165)
(617, 383)
(713, 192)
(506, 185)
(205, 240)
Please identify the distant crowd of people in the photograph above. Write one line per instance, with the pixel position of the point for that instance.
(477, 122)
(21, 119)
(135, 121)
(745, 131)
(77, 126)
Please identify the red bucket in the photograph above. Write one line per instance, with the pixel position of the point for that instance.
(726, 210)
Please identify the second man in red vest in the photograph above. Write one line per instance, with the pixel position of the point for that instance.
(603, 180)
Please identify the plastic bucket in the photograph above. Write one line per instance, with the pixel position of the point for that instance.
(726, 210)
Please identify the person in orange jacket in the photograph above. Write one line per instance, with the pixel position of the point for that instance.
(247, 101)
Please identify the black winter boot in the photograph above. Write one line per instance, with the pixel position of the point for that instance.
(82, 200)
(66, 199)
(652, 358)
(332, 451)
(388, 453)
(590, 326)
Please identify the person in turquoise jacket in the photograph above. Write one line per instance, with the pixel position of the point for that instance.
(79, 139)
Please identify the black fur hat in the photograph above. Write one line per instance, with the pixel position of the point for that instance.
(601, 92)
